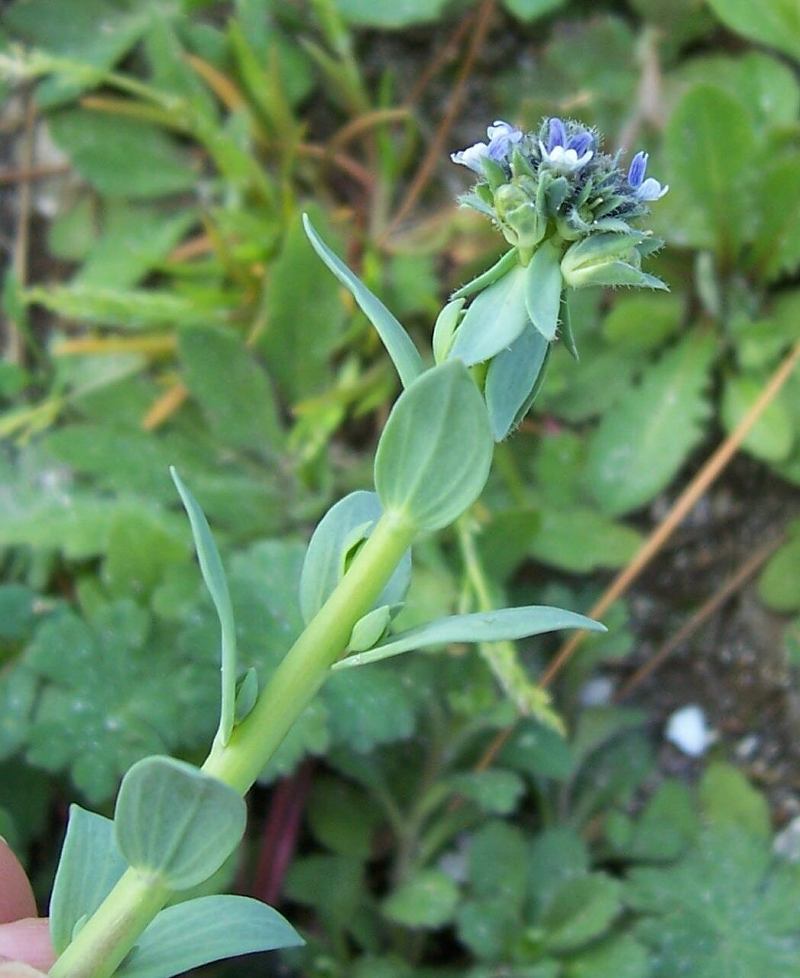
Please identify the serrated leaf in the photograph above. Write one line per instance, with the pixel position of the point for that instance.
(495, 791)
(722, 911)
(580, 910)
(426, 900)
(233, 390)
(122, 157)
(493, 320)
(217, 584)
(89, 866)
(346, 525)
(728, 798)
(775, 23)
(210, 928)
(183, 851)
(434, 455)
(772, 436)
(398, 343)
(644, 439)
(480, 626)
(126, 308)
(368, 707)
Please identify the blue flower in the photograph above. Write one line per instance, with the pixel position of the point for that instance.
(649, 189)
(566, 154)
(502, 139)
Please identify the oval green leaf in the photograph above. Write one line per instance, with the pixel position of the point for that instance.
(493, 321)
(482, 626)
(340, 531)
(210, 928)
(434, 455)
(543, 286)
(513, 375)
(175, 821)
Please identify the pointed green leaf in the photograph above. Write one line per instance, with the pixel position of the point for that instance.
(493, 321)
(398, 343)
(772, 22)
(173, 820)
(481, 626)
(210, 928)
(543, 289)
(489, 277)
(434, 455)
(512, 376)
(214, 577)
(90, 865)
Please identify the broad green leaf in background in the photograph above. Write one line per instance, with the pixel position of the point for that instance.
(346, 525)
(18, 697)
(181, 852)
(779, 583)
(369, 707)
(127, 308)
(615, 957)
(772, 436)
(304, 317)
(580, 910)
(494, 319)
(710, 143)
(776, 244)
(434, 455)
(122, 157)
(232, 388)
(775, 23)
(403, 13)
(133, 242)
(728, 798)
(480, 626)
(90, 865)
(95, 32)
(209, 928)
(495, 791)
(428, 899)
(644, 439)
(398, 343)
(217, 584)
(726, 910)
(527, 10)
(579, 539)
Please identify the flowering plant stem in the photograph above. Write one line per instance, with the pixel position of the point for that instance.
(103, 942)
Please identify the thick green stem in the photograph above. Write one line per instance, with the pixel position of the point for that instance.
(105, 939)
(111, 932)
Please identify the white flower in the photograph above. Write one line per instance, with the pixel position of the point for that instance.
(564, 160)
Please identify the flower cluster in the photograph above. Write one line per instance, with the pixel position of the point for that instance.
(556, 187)
(555, 179)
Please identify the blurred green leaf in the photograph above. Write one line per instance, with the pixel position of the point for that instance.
(580, 910)
(527, 10)
(404, 13)
(775, 23)
(122, 157)
(772, 436)
(427, 899)
(779, 583)
(233, 390)
(644, 439)
(710, 143)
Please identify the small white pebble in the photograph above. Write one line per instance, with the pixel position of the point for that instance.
(787, 842)
(597, 691)
(688, 731)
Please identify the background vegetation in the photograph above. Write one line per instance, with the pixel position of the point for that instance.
(163, 306)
